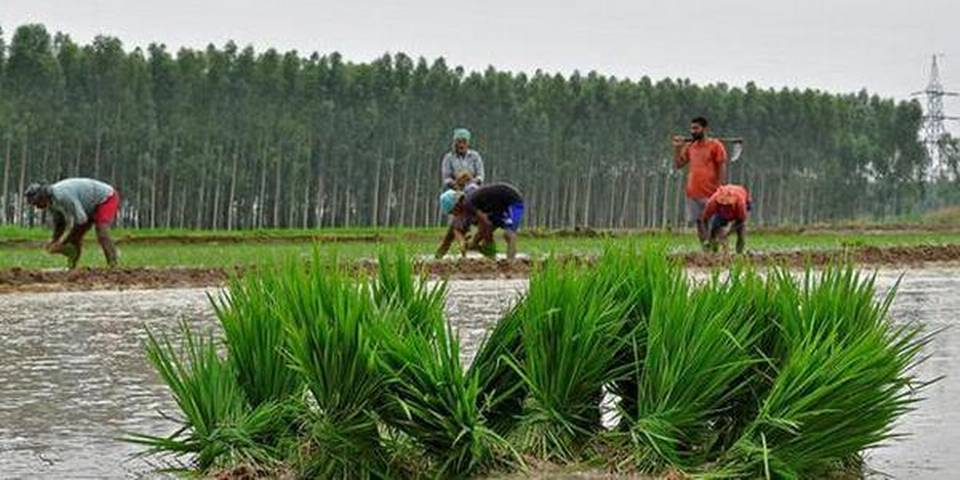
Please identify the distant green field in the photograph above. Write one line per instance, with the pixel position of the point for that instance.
(283, 244)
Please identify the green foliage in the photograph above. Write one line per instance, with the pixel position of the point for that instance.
(431, 399)
(229, 137)
(328, 320)
(255, 336)
(219, 428)
(843, 376)
(740, 375)
(571, 338)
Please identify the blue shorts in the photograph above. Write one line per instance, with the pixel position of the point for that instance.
(510, 218)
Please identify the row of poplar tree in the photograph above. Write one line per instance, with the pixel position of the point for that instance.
(234, 138)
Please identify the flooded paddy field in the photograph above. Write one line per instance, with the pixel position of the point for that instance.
(75, 378)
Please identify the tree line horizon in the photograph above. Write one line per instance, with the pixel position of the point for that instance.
(232, 138)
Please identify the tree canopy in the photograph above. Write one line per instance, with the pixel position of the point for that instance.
(229, 137)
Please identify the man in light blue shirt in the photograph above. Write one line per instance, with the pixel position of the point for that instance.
(76, 205)
(462, 166)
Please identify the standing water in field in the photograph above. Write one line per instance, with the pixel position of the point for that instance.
(75, 376)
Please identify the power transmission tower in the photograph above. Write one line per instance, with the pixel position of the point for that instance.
(933, 122)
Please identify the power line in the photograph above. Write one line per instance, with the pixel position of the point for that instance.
(933, 129)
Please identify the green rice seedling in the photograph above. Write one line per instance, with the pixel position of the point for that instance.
(632, 275)
(838, 302)
(328, 318)
(434, 402)
(431, 399)
(397, 285)
(699, 352)
(845, 379)
(218, 426)
(571, 339)
(502, 390)
(255, 335)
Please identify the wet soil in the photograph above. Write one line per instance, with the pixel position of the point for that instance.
(23, 280)
(577, 232)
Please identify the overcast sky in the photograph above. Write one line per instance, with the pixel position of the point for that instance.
(835, 45)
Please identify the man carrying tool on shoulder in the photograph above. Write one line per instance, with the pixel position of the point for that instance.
(707, 158)
(726, 210)
(77, 204)
(489, 207)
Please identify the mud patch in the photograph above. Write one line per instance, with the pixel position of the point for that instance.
(21, 280)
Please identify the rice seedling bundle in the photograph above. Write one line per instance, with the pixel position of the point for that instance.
(743, 375)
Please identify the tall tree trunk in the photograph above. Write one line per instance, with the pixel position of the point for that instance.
(574, 187)
(390, 201)
(320, 203)
(291, 197)
(182, 209)
(276, 190)
(666, 200)
(139, 194)
(415, 200)
(262, 196)
(215, 218)
(402, 200)
(233, 189)
(588, 196)
(202, 194)
(642, 204)
(334, 204)
(780, 195)
(305, 206)
(348, 207)
(96, 156)
(76, 159)
(375, 198)
(626, 201)
(5, 200)
(171, 183)
(23, 177)
(154, 185)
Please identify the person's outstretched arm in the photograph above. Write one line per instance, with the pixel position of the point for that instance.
(484, 230)
(446, 172)
(59, 226)
(481, 175)
(680, 158)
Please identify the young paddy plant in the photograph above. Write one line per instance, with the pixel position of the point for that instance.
(632, 275)
(698, 359)
(326, 375)
(431, 398)
(844, 379)
(571, 337)
(218, 426)
(328, 317)
(255, 336)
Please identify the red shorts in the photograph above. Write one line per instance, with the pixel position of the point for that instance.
(106, 212)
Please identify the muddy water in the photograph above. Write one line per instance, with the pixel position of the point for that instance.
(73, 378)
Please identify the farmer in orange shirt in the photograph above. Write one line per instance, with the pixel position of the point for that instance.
(708, 169)
(726, 211)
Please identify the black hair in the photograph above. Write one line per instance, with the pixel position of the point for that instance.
(702, 121)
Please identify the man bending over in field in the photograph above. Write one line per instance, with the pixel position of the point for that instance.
(707, 158)
(726, 210)
(77, 204)
(490, 207)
